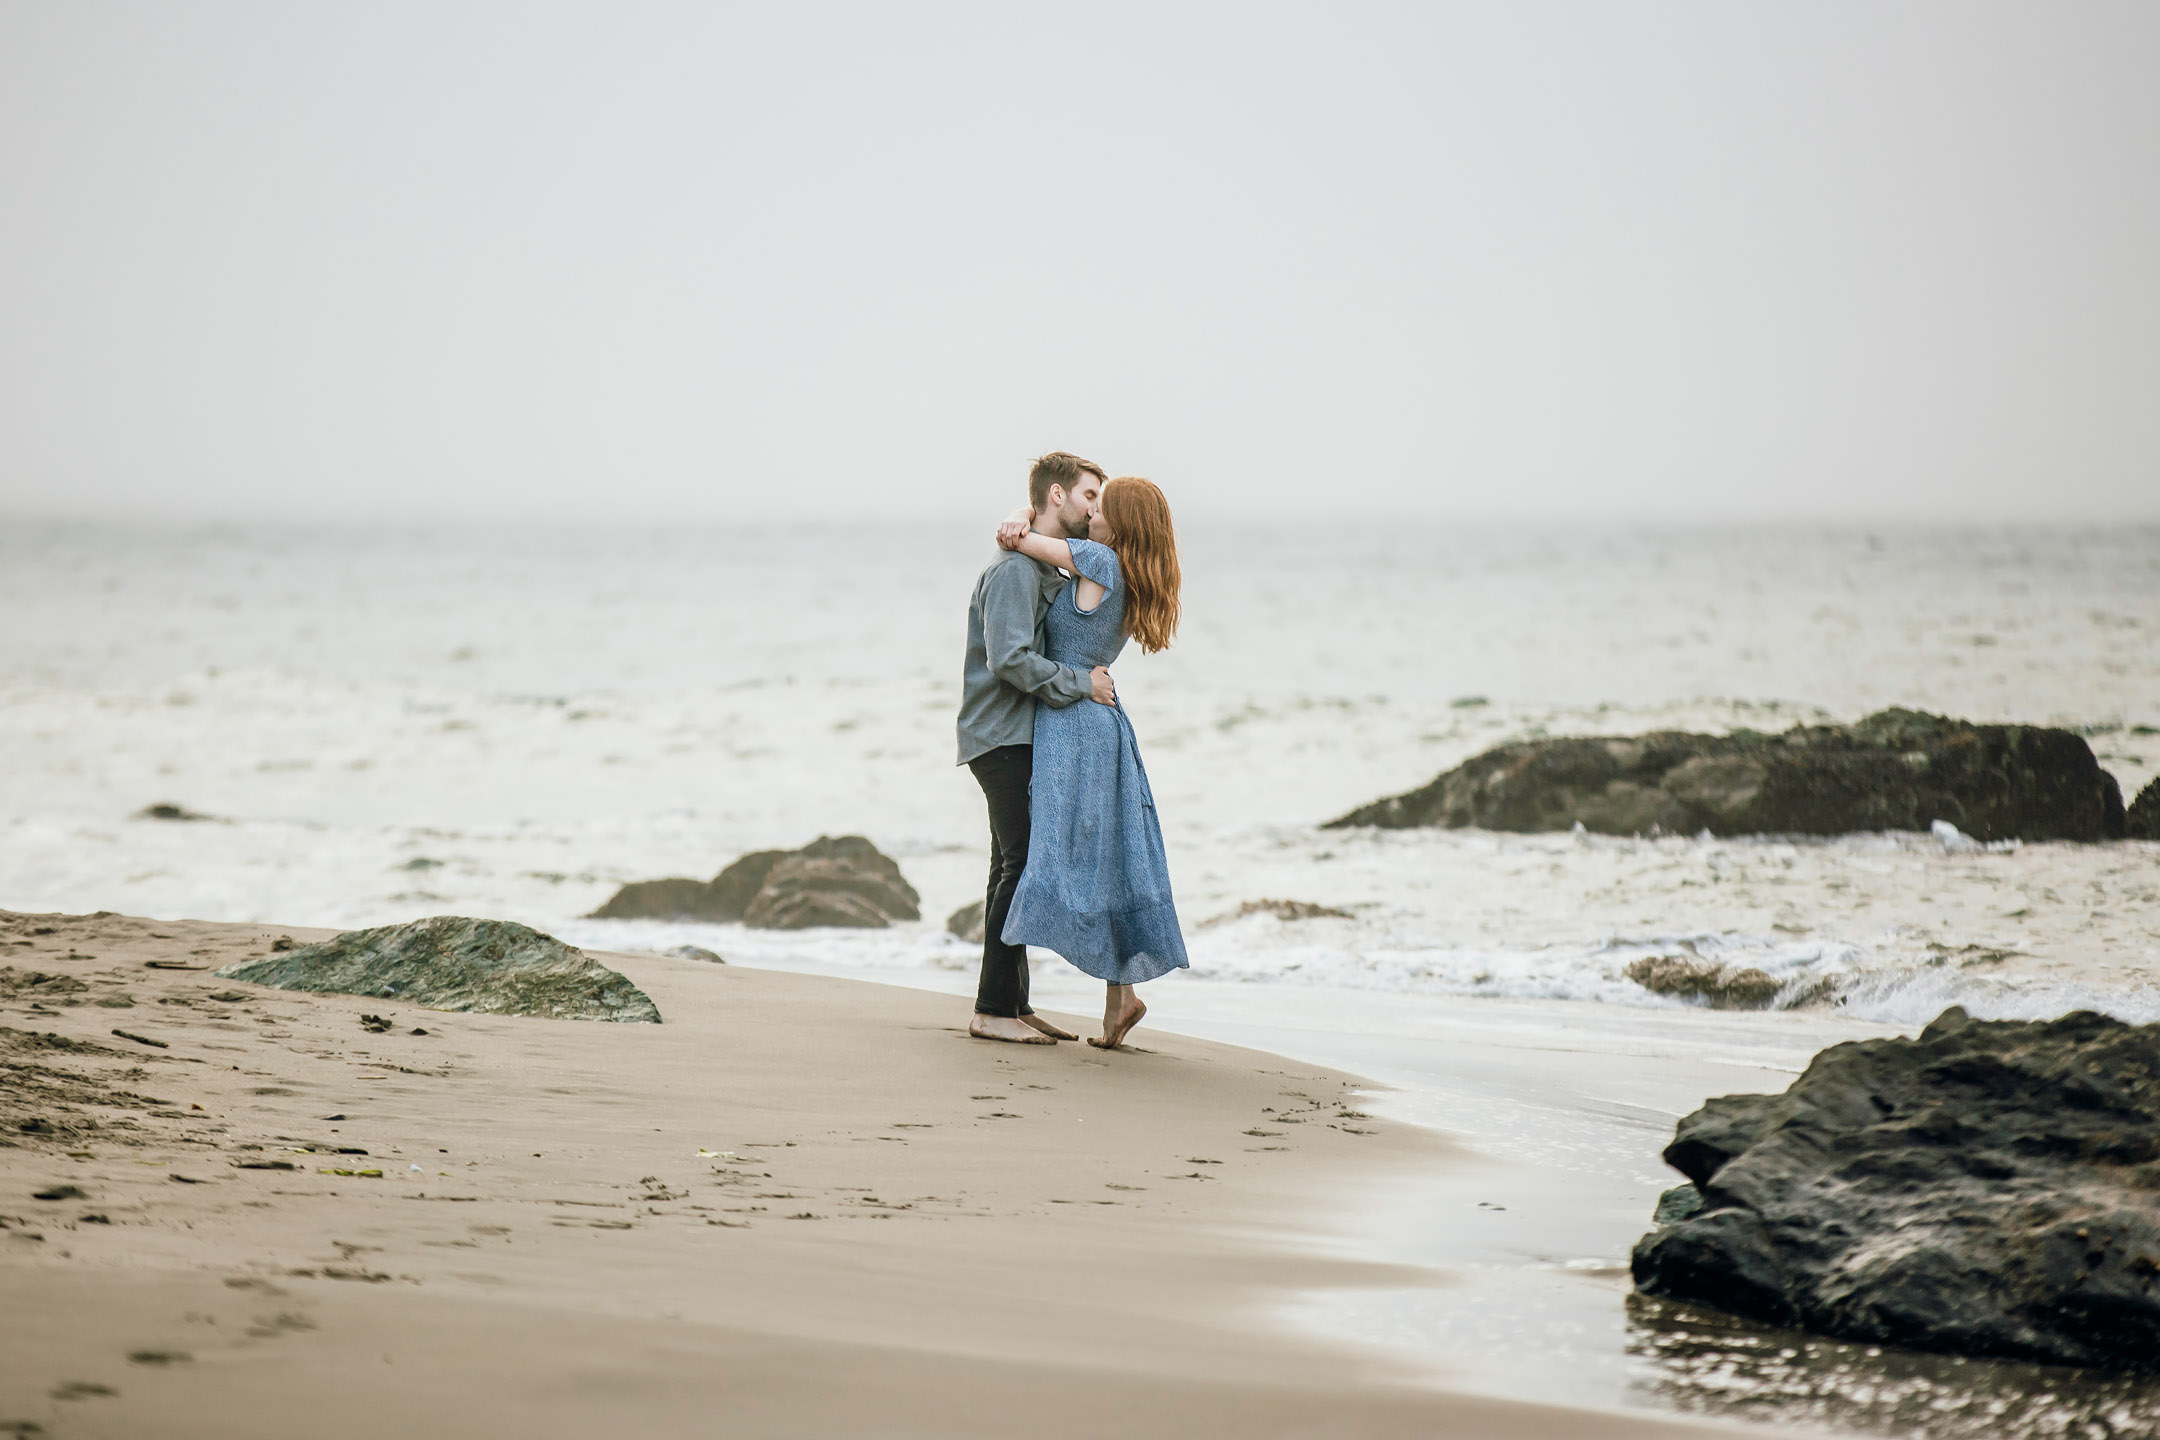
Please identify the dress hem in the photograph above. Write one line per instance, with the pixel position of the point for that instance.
(1137, 964)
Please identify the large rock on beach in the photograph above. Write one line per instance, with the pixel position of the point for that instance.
(1990, 1188)
(488, 967)
(2142, 822)
(834, 880)
(1895, 770)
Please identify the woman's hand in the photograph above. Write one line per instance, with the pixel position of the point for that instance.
(1013, 527)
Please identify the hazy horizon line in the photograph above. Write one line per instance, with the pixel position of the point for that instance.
(1214, 518)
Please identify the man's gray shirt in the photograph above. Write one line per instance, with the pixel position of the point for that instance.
(1006, 672)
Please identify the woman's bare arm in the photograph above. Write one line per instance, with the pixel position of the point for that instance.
(1015, 534)
(1013, 526)
(1045, 549)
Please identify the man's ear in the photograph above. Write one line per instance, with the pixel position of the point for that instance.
(1057, 499)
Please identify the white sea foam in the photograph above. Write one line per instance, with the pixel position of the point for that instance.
(1845, 979)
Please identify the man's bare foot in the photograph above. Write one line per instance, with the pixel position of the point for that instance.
(1008, 1028)
(1047, 1028)
(1119, 1019)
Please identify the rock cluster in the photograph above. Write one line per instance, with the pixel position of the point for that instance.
(2142, 821)
(834, 880)
(1725, 987)
(1281, 910)
(1989, 1188)
(448, 962)
(1895, 770)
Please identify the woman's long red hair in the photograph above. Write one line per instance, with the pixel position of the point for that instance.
(1146, 546)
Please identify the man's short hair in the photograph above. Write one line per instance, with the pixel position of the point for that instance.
(1059, 468)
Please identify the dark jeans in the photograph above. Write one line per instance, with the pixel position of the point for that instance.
(1003, 774)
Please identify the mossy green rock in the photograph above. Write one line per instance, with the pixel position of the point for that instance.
(448, 962)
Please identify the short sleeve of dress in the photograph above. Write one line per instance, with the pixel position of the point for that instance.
(1096, 562)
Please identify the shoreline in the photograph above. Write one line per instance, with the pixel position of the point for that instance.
(1556, 1112)
(899, 1218)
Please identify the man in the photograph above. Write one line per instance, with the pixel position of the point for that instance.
(1005, 675)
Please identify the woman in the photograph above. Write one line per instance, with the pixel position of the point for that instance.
(1097, 888)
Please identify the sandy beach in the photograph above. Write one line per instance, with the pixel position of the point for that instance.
(800, 1206)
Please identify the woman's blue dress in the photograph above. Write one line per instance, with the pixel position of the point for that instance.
(1097, 887)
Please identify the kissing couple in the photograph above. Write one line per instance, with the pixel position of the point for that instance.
(1076, 855)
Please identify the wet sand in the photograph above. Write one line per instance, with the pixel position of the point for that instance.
(896, 1230)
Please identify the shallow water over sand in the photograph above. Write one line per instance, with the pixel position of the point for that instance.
(1560, 1111)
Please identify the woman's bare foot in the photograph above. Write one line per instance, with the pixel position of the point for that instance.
(1121, 1011)
(1047, 1028)
(1007, 1028)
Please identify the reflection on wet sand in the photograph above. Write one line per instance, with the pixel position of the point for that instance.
(1718, 1366)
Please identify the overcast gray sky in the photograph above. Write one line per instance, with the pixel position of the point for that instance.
(702, 261)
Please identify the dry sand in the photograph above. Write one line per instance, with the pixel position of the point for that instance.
(899, 1231)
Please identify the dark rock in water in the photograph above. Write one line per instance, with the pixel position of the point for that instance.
(736, 886)
(1990, 1188)
(1726, 987)
(861, 890)
(833, 875)
(812, 903)
(693, 952)
(1281, 910)
(1896, 770)
(2142, 821)
(834, 880)
(676, 899)
(724, 897)
(489, 967)
(967, 922)
(170, 812)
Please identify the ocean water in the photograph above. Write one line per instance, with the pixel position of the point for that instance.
(383, 724)
(380, 725)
